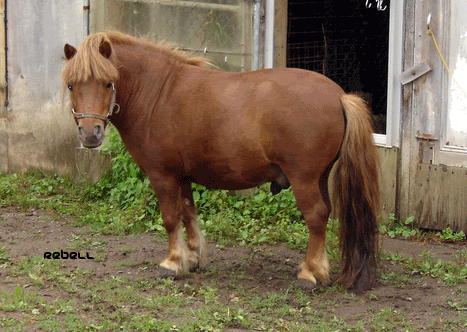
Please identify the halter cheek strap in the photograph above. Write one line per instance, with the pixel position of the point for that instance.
(105, 118)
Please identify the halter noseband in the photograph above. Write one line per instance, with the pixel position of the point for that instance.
(105, 118)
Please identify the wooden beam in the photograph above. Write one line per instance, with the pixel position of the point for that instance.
(280, 33)
(3, 81)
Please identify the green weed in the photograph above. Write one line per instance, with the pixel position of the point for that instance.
(4, 257)
(457, 306)
(450, 272)
(388, 319)
(79, 242)
(394, 227)
(20, 300)
(448, 235)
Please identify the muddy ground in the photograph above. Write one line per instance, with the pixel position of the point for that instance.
(423, 301)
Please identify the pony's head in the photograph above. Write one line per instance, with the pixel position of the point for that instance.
(90, 75)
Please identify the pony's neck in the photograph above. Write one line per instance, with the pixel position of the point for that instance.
(145, 75)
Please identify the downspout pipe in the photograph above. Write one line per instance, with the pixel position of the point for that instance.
(256, 21)
(269, 35)
(86, 6)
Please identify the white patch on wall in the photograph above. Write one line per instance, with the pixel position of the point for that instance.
(458, 98)
(456, 124)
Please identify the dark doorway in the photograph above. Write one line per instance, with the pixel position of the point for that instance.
(347, 41)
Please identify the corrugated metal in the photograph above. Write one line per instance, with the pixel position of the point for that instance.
(40, 133)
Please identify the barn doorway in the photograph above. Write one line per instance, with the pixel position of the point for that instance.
(348, 41)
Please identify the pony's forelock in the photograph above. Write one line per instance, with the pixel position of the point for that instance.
(89, 63)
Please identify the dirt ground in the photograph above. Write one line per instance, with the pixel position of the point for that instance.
(27, 234)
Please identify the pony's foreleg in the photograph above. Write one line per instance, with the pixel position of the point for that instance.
(197, 249)
(168, 192)
(176, 261)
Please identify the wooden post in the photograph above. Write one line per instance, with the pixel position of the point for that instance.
(280, 33)
(3, 82)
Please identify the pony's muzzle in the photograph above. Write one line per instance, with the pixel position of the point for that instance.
(91, 137)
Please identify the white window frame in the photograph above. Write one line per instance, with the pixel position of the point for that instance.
(396, 30)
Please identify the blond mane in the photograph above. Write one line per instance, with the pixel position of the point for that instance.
(162, 47)
(88, 63)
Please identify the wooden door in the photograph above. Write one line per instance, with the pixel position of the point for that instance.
(434, 135)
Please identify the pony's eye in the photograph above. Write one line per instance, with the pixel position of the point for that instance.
(108, 86)
(70, 87)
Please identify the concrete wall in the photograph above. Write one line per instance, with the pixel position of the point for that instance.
(35, 130)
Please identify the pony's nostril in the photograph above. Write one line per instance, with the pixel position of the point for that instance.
(98, 131)
(80, 131)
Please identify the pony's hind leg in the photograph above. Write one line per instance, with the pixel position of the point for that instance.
(315, 207)
(197, 249)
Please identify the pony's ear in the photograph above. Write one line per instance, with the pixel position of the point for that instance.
(70, 51)
(105, 49)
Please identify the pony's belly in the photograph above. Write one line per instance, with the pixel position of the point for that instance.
(236, 179)
(229, 185)
(212, 180)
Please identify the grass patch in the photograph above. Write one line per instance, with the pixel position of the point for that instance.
(79, 242)
(451, 272)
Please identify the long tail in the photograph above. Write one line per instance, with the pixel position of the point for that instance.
(356, 195)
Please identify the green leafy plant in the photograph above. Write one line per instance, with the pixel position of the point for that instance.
(124, 183)
(456, 306)
(451, 272)
(3, 256)
(448, 235)
(394, 227)
(397, 228)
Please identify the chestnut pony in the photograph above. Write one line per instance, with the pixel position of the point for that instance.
(183, 123)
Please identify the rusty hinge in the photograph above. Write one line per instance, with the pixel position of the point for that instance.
(426, 137)
(426, 147)
(413, 73)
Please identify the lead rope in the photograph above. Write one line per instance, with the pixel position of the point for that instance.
(112, 103)
(444, 61)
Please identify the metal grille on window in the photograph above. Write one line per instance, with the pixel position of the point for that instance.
(219, 29)
(348, 42)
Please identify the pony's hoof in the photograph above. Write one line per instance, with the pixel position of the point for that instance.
(305, 284)
(193, 265)
(165, 273)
